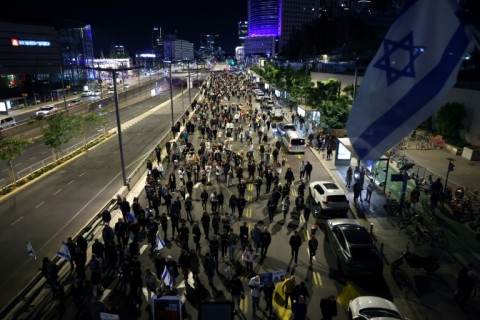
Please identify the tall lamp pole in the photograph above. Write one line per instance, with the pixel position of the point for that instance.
(189, 94)
(171, 90)
(63, 87)
(451, 167)
(117, 112)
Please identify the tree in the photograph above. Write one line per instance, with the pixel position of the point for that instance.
(10, 148)
(82, 123)
(60, 130)
(335, 112)
(450, 118)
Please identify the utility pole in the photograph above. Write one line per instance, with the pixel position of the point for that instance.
(117, 112)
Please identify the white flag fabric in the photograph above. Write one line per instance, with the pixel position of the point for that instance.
(131, 237)
(30, 250)
(409, 77)
(64, 252)
(160, 244)
(166, 277)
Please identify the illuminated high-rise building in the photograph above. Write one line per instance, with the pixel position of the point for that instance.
(242, 30)
(157, 42)
(272, 22)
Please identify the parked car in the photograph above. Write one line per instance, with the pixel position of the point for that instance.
(73, 103)
(284, 127)
(353, 247)
(87, 93)
(97, 93)
(126, 86)
(7, 122)
(369, 307)
(330, 199)
(46, 111)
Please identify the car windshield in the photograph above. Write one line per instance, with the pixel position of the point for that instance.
(371, 313)
(290, 127)
(337, 198)
(331, 186)
(366, 254)
(46, 108)
(356, 234)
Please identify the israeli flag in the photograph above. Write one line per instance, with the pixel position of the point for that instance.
(409, 77)
(64, 252)
(166, 277)
(160, 244)
(30, 250)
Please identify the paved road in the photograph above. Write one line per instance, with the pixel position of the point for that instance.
(428, 298)
(61, 203)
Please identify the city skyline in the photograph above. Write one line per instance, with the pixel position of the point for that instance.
(132, 28)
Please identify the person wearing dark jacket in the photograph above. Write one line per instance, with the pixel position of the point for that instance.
(299, 309)
(236, 290)
(295, 243)
(328, 306)
(289, 177)
(266, 239)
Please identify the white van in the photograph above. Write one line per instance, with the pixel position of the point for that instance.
(7, 123)
(294, 142)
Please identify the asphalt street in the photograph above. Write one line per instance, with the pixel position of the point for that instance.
(427, 297)
(60, 203)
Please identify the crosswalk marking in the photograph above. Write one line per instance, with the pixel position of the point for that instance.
(317, 279)
(244, 305)
(105, 294)
(249, 198)
(143, 248)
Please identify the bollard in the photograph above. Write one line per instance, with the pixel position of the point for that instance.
(371, 227)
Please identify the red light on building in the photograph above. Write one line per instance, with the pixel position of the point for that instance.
(15, 42)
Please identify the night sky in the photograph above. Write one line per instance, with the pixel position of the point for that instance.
(130, 22)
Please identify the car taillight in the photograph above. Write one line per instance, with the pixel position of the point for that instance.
(289, 145)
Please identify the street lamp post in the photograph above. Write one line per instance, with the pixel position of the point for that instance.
(117, 112)
(451, 166)
(171, 90)
(189, 94)
(63, 88)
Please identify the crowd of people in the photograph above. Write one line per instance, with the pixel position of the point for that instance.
(205, 166)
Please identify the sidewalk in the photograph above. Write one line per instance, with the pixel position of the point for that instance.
(427, 297)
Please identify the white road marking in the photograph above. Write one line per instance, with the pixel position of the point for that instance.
(4, 170)
(18, 164)
(38, 205)
(16, 221)
(197, 185)
(70, 182)
(56, 192)
(82, 173)
(31, 158)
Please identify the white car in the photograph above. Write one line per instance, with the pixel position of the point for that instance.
(73, 103)
(97, 93)
(369, 307)
(46, 111)
(87, 93)
(330, 198)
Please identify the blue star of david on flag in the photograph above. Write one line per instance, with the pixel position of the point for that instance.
(402, 50)
(410, 76)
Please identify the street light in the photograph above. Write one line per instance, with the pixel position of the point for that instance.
(117, 112)
(171, 89)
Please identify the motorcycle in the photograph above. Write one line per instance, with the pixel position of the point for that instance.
(429, 264)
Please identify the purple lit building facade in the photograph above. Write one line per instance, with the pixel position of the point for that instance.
(272, 22)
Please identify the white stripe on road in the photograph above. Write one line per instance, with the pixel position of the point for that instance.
(18, 164)
(38, 205)
(82, 174)
(70, 182)
(16, 221)
(56, 192)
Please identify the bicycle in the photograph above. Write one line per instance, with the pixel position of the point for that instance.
(434, 239)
